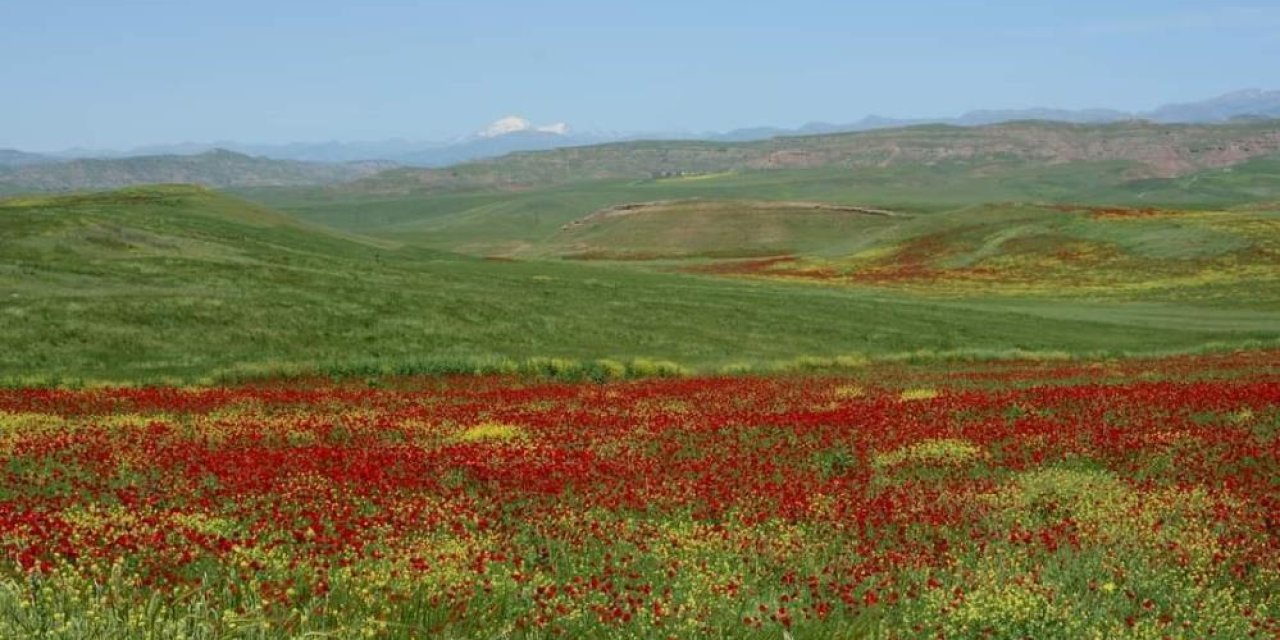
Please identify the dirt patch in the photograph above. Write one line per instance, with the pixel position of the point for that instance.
(738, 267)
(1116, 212)
(656, 206)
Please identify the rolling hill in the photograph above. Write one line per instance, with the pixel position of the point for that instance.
(182, 283)
(529, 222)
(14, 158)
(217, 168)
(682, 229)
(1151, 151)
(1060, 251)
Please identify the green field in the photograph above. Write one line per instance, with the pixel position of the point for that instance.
(489, 221)
(181, 284)
(993, 398)
(745, 258)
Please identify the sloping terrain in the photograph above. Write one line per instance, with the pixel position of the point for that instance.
(214, 169)
(715, 229)
(15, 158)
(1066, 250)
(1059, 251)
(1155, 151)
(532, 222)
(179, 283)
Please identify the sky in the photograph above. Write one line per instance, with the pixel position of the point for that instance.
(126, 73)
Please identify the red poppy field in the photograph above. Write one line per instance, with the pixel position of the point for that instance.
(1132, 499)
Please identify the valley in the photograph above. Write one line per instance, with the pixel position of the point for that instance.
(1019, 380)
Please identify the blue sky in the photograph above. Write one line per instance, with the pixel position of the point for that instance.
(127, 72)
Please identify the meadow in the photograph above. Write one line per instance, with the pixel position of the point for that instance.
(1112, 499)
(484, 221)
(184, 285)
(960, 399)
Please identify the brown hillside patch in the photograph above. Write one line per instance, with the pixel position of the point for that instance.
(1117, 212)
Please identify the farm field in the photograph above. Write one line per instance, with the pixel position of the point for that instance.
(1112, 499)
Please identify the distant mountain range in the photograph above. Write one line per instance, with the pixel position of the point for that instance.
(514, 133)
(305, 164)
(501, 137)
(15, 158)
(1250, 103)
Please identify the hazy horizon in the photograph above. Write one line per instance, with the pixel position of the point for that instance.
(137, 74)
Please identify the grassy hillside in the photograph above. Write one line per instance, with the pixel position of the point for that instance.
(513, 206)
(13, 158)
(1064, 251)
(489, 221)
(1153, 151)
(214, 168)
(978, 250)
(521, 223)
(182, 283)
(671, 229)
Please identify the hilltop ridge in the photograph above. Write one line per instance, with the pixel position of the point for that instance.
(215, 168)
(1155, 151)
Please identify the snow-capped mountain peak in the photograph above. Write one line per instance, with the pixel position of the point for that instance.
(516, 124)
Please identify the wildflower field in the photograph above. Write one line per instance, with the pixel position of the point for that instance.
(1055, 251)
(1123, 499)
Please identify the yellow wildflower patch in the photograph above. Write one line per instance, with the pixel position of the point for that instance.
(492, 432)
(945, 451)
(16, 422)
(848, 391)
(918, 394)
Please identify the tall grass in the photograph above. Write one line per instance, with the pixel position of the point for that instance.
(199, 287)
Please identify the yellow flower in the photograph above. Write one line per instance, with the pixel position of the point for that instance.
(492, 431)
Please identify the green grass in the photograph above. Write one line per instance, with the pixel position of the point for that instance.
(1220, 259)
(452, 217)
(714, 228)
(180, 284)
(522, 221)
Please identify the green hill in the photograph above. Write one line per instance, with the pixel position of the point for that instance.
(980, 250)
(13, 158)
(215, 169)
(518, 205)
(527, 222)
(182, 283)
(1149, 150)
(1062, 251)
(679, 229)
